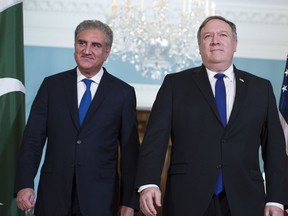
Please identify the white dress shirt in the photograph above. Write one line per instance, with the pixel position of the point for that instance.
(81, 86)
(230, 87)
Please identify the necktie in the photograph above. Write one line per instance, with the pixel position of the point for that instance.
(220, 98)
(85, 101)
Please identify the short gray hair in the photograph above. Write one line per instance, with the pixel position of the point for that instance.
(231, 24)
(98, 25)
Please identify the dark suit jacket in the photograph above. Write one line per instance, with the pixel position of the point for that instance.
(185, 109)
(91, 151)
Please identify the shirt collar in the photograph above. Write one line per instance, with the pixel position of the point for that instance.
(96, 79)
(229, 73)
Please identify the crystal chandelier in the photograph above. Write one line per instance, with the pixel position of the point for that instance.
(156, 37)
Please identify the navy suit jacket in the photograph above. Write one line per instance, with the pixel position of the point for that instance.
(90, 151)
(185, 109)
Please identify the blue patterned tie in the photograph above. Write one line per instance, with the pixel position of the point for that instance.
(85, 101)
(220, 98)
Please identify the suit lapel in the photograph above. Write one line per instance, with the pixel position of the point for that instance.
(103, 90)
(240, 95)
(202, 81)
(70, 88)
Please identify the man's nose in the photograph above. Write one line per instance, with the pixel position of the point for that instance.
(215, 40)
(87, 49)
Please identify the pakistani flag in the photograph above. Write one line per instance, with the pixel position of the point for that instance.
(12, 99)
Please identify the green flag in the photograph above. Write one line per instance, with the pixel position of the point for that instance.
(12, 99)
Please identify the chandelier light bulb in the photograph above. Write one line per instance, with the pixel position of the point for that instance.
(157, 38)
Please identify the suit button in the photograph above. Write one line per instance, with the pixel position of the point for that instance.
(79, 142)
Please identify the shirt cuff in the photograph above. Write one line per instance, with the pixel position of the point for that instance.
(275, 204)
(146, 186)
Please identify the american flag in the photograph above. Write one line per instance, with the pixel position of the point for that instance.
(283, 104)
(283, 109)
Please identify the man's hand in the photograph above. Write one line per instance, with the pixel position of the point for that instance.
(273, 211)
(149, 197)
(25, 199)
(126, 211)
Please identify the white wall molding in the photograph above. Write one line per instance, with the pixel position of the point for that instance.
(65, 6)
(262, 25)
(145, 94)
(52, 22)
(262, 28)
(253, 14)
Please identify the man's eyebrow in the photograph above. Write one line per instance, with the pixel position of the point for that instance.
(81, 40)
(97, 43)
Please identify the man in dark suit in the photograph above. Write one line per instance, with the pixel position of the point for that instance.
(210, 152)
(80, 171)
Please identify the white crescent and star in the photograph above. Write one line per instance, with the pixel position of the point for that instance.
(8, 85)
(5, 4)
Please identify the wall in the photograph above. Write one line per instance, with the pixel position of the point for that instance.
(44, 61)
(49, 30)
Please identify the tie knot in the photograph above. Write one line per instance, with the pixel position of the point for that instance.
(87, 82)
(219, 76)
